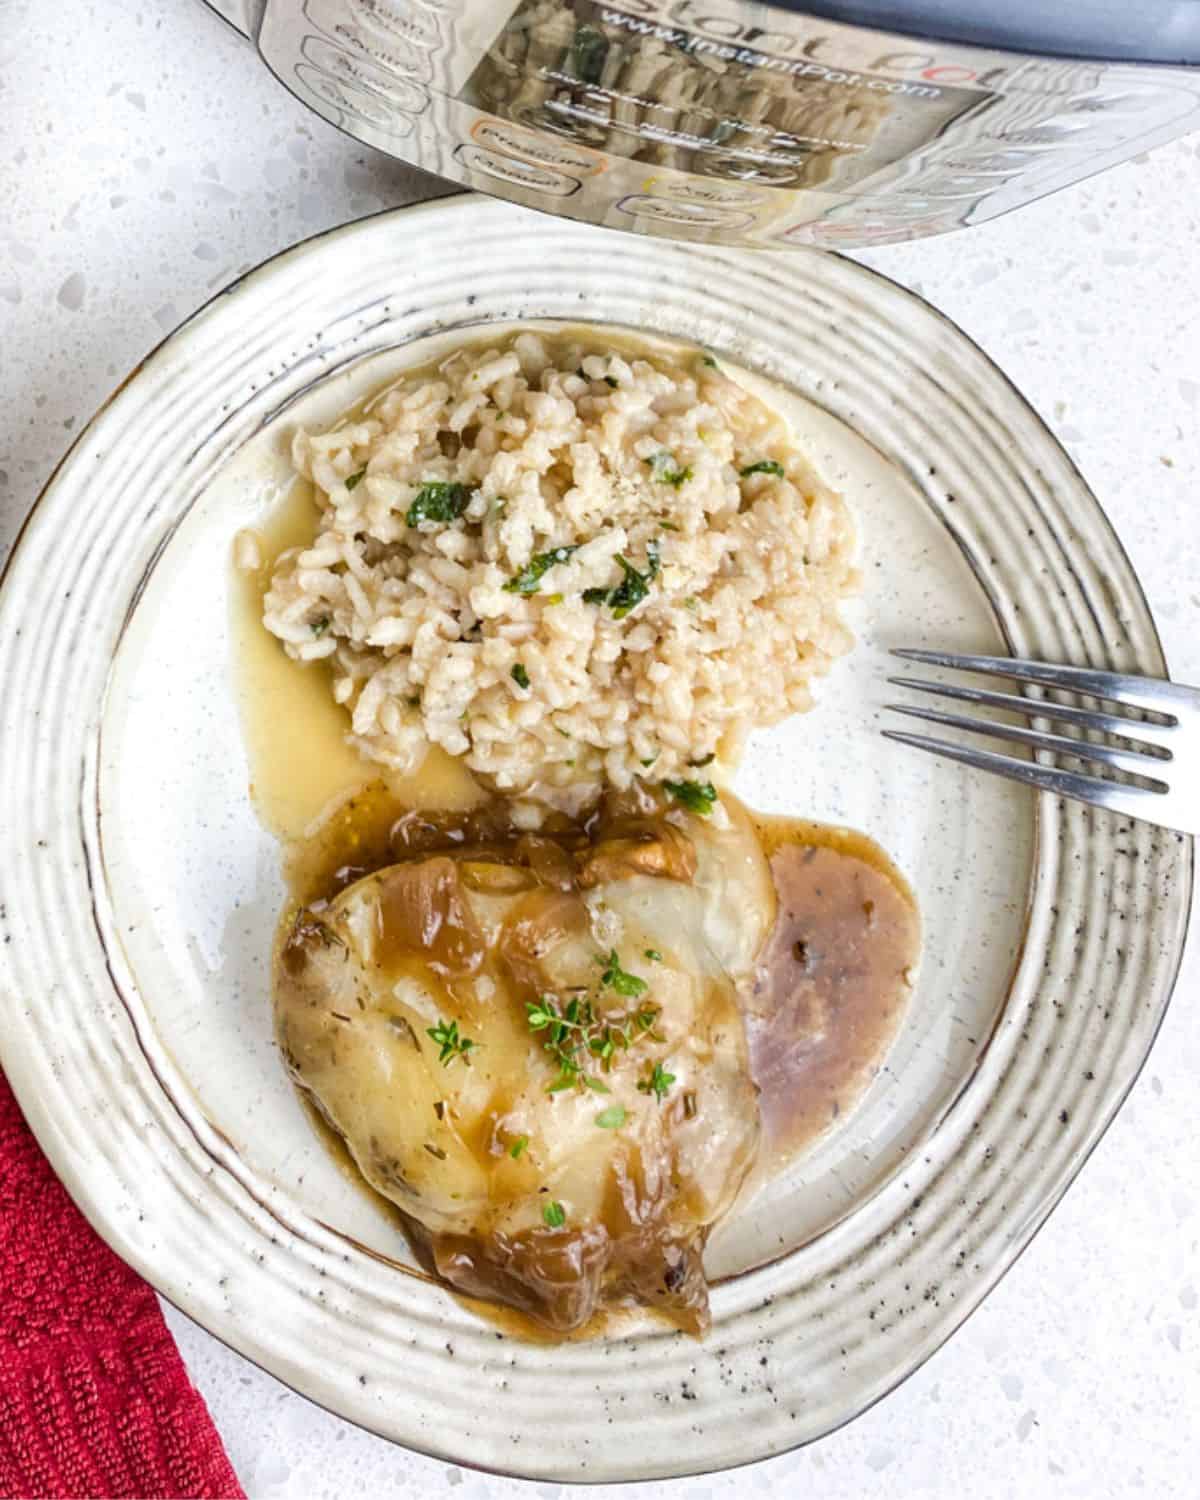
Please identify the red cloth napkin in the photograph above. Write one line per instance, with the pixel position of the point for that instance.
(94, 1398)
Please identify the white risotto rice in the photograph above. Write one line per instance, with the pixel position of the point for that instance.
(565, 563)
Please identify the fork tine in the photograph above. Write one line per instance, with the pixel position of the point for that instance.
(1142, 692)
(1045, 708)
(1131, 801)
(1037, 739)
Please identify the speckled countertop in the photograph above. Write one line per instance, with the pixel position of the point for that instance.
(145, 159)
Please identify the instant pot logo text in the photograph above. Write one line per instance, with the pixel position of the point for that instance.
(726, 37)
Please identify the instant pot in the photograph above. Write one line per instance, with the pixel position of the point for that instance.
(735, 122)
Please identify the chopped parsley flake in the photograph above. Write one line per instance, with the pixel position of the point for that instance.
(665, 468)
(658, 1083)
(696, 796)
(612, 381)
(554, 1215)
(520, 676)
(763, 466)
(528, 580)
(653, 955)
(706, 358)
(438, 502)
(319, 627)
(518, 1146)
(706, 760)
(616, 978)
(632, 589)
(611, 1118)
(668, 526)
(445, 1034)
(356, 479)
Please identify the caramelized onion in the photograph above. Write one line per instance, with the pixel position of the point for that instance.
(666, 853)
(422, 909)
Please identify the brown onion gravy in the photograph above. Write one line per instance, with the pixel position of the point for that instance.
(418, 874)
(832, 979)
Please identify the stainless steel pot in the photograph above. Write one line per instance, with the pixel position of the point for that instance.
(743, 123)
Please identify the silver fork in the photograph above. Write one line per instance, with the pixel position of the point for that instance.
(1162, 752)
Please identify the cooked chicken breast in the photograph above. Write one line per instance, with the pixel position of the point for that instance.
(533, 1046)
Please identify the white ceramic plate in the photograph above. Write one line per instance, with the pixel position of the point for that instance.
(138, 892)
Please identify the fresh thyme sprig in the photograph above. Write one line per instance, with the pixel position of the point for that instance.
(658, 1083)
(452, 1045)
(574, 1034)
